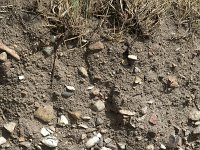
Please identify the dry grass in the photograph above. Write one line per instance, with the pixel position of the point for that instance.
(138, 17)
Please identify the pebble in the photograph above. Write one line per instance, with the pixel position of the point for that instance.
(10, 127)
(172, 81)
(63, 121)
(93, 140)
(75, 114)
(107, 140)
(162, 146)
(2, 140)
(132, 57)
(194, 115)
(173, 141)
(83, 136)
(90, 87)
(3, 57)
(137, 80)
(48, 50)
(95, 92)
(70, 88)
(26, 144)
(105, 148)
(45, 113)
(126, 112)
(150, 147)
(83, 126)
(121, 145)
(144, 110)
(21, 77)
(153, 119)
(67, 94)
(86, 118)
(83, 71)
(45, 132)
(137, 70)
(98, 106)
(5, 67)
(96, 46)
(196, 130)
(99, 121)
(50, 141)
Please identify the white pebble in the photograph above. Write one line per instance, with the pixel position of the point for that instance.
(21, 77)
(133, 57)
(50, 141)
(90, 87)
(63, 120)
(105, 148)
(162, 146)
(44, 132)
(2, 140)
(93, 140)
(83, 126)
(70, 88)
(10, 126)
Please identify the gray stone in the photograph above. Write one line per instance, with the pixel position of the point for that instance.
(98, 106)
(132, 57)
(196, 130)
(99, 121)
(194, 115)
(48, 50)
(121, 145)
(63, 121)
(67, 94)
(10, 127)
(93, 141)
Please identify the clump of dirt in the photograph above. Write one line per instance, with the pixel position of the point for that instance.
(130, 93)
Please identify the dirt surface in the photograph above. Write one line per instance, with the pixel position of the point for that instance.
(161, 109)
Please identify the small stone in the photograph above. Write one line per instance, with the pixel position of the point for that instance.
(48, 50)
(99, 121)
(26, 144)
(44, 132)
(45, 113)
(63, 121)
(50, 141)
(96, 46)
(132, 57)
(83, 71)
(21, 77)
(90, 87)
(150, 147)
(86, 118)
(83, 136)
(95, 92)
(83, 126)
(10, 127)
(153, 119)
(121, 145)
(107, 140)
(104, 131)
(5, 66)
(67, 94)
(75, 114)
(194, 115)
(93, 141)
(172, 82)
(138, 80)
(2, 140)
(70, 88)
(98, 106)
(126, 112)
(3, 57)
(105, 148)
(196, 130)
(162, 146)
(173, 141)
(137, 70)
(144, 110)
